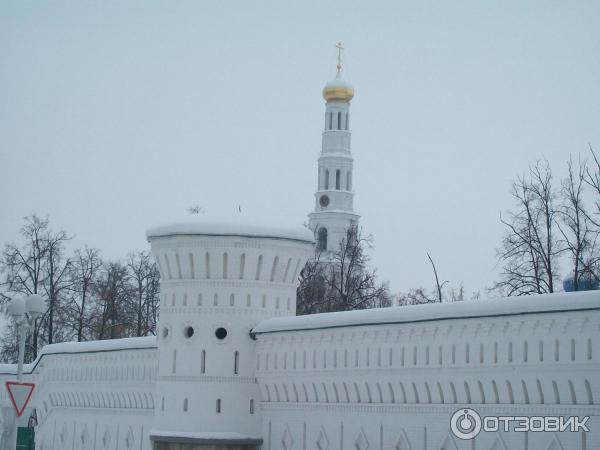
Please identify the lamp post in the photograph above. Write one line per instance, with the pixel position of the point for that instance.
(24, 311)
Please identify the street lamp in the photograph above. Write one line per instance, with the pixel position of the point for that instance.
(24, 311)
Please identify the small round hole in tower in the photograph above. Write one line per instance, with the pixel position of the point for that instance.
(221, 333)
(189, 332)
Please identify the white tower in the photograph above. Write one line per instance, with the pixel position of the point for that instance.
(334, 210)
(219, 279)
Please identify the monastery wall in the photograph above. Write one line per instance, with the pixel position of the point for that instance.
(332, 382)
(91, 395)
(380, 379)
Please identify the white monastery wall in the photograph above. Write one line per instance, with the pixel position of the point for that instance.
(92, 395)
(393, 382)
(380, 379)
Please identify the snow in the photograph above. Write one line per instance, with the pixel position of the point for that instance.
(238, 225)
(11, 369)
(212, 436)
(201, 435)
(83, 347)
(337, 82)
(100, 346)
(572, 301)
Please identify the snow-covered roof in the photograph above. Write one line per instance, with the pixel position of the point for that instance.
(338, 82)
(204, 438)
(338, 89)
(107, 345)
(560, 302)
(238, 225)
(100, 346)
(11, 369)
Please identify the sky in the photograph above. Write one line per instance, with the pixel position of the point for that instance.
(116, 115)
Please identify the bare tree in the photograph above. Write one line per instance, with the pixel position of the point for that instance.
(592, 179)
(86, 298)
(144, 281)
(56, 268)
(575, 225)
(353, 283)
(437, 280)
(152, 302)
(37, 267)
(590, 264)
(343, 281)
(22, 266)
(442, 292)
(9, 349)
(420, 296)
(111, 297)
(417, 296)
(529, 248)
(311, 293)
(85, 266)
(23, 272)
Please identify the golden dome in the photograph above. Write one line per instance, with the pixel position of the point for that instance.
(338, 90)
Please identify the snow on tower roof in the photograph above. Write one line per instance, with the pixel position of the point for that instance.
(338, 89)
(238, 225)
(547, 303)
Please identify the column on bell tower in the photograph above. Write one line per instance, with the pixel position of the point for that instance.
(334, 209)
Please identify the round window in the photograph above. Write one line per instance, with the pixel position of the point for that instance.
(165, 332)
(189, 332)
(221, 333)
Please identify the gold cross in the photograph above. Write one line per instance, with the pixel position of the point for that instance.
(339, 56)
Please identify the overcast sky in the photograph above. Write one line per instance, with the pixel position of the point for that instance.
(114, 115)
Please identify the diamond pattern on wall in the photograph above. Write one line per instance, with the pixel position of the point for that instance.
(129, 439)
(85, 436)
(322, 440)
(64, 434)
(403, 443)
(106, 438)
(287, 440)
(498, 444)
(448, 444)
(555, 444)
(361, 441)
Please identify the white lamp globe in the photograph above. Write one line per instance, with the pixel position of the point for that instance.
(35, 305)
(16, 307)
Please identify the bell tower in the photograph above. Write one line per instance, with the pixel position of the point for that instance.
(334, 198)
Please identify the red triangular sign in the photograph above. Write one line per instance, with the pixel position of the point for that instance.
(19, 394)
